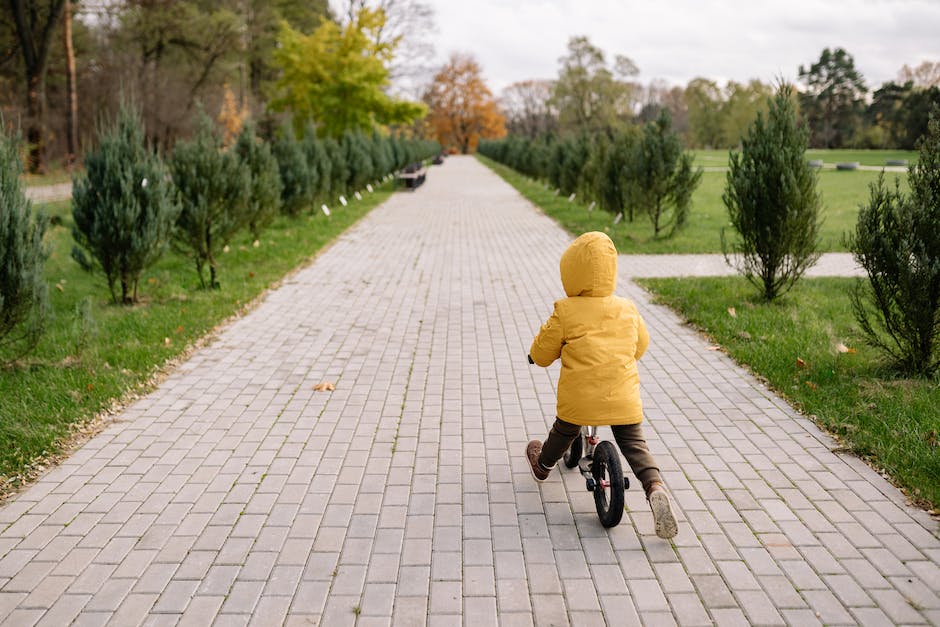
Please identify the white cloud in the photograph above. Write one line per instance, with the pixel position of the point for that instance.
(677, 40)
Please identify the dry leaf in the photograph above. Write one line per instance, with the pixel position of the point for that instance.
(178, 329)
(811, 385)
(167, 341)
(732, 312)
(713, 348)
(931, 437)
(256, 243)
(744, 335)
(90, 387)
(251, 275)
(59, 287)
(800, 363)
(326, 386)
(842, 348)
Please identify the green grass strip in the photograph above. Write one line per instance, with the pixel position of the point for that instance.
(806, 347)
(88, 362)
(842, 193)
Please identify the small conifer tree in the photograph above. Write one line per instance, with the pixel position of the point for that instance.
(214, 189)
(660, 176)
(24, 305)
(381, 152)
(318, 164)
(897, 242)
(339, 171)
(124, 207)
(772, 201)
(264, 199)
(359, 164)
(297, 185)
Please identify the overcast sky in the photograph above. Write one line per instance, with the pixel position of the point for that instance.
(677, 40)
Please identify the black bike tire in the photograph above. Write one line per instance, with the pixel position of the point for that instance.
(609, 502)
(573, 455)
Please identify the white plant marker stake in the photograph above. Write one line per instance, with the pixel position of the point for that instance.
(556, 191)
(571, 198)
(618, 218)
(369, 187)
(591, 208)
(342, 201)
(325, 210)
(358, 196)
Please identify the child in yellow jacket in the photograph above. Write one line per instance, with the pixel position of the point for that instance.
(599, 338)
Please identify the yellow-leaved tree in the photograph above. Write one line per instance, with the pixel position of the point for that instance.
(336, 77)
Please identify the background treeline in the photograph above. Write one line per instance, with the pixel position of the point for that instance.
(592, 93)
(66, 64)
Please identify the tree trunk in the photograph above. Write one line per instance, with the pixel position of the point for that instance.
(71, 116)
(35, 37)
(36, 123)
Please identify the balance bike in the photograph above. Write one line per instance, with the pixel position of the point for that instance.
(599, 463)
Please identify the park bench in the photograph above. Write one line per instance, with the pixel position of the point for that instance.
(413, 176)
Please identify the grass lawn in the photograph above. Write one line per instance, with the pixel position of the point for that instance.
(719, 158)
(842, 193)
(892, 422)
(52, 177)
(86, 362)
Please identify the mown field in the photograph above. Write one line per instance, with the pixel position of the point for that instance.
(842, 192)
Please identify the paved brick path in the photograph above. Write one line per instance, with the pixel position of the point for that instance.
(236, 493)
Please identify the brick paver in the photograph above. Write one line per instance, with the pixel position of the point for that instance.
(237, 493)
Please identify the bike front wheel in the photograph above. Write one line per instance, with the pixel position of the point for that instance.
(609, 487)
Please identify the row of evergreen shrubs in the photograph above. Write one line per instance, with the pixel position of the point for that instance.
(130, 204)
(629, 171)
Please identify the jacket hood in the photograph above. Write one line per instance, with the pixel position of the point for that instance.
(589, 266)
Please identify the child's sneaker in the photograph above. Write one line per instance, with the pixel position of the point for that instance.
(532, 451)
(664, 520)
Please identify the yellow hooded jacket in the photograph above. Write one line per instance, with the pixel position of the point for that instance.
(598, 336)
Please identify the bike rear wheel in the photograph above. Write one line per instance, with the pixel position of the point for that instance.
(608, 491)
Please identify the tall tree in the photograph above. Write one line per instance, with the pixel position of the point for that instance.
(927, 74)
(588, 94)
(35, 24)
(409, 25)
(71, 113)
(834, 98)
(744, 101)
(461, 107)
(337, 76)
(528, 109)
(704, 100)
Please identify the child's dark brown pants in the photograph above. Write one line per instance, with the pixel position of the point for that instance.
(629, 439)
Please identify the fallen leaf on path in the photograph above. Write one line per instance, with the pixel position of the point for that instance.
(713, 348)
(732, 312)
(326, 386)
